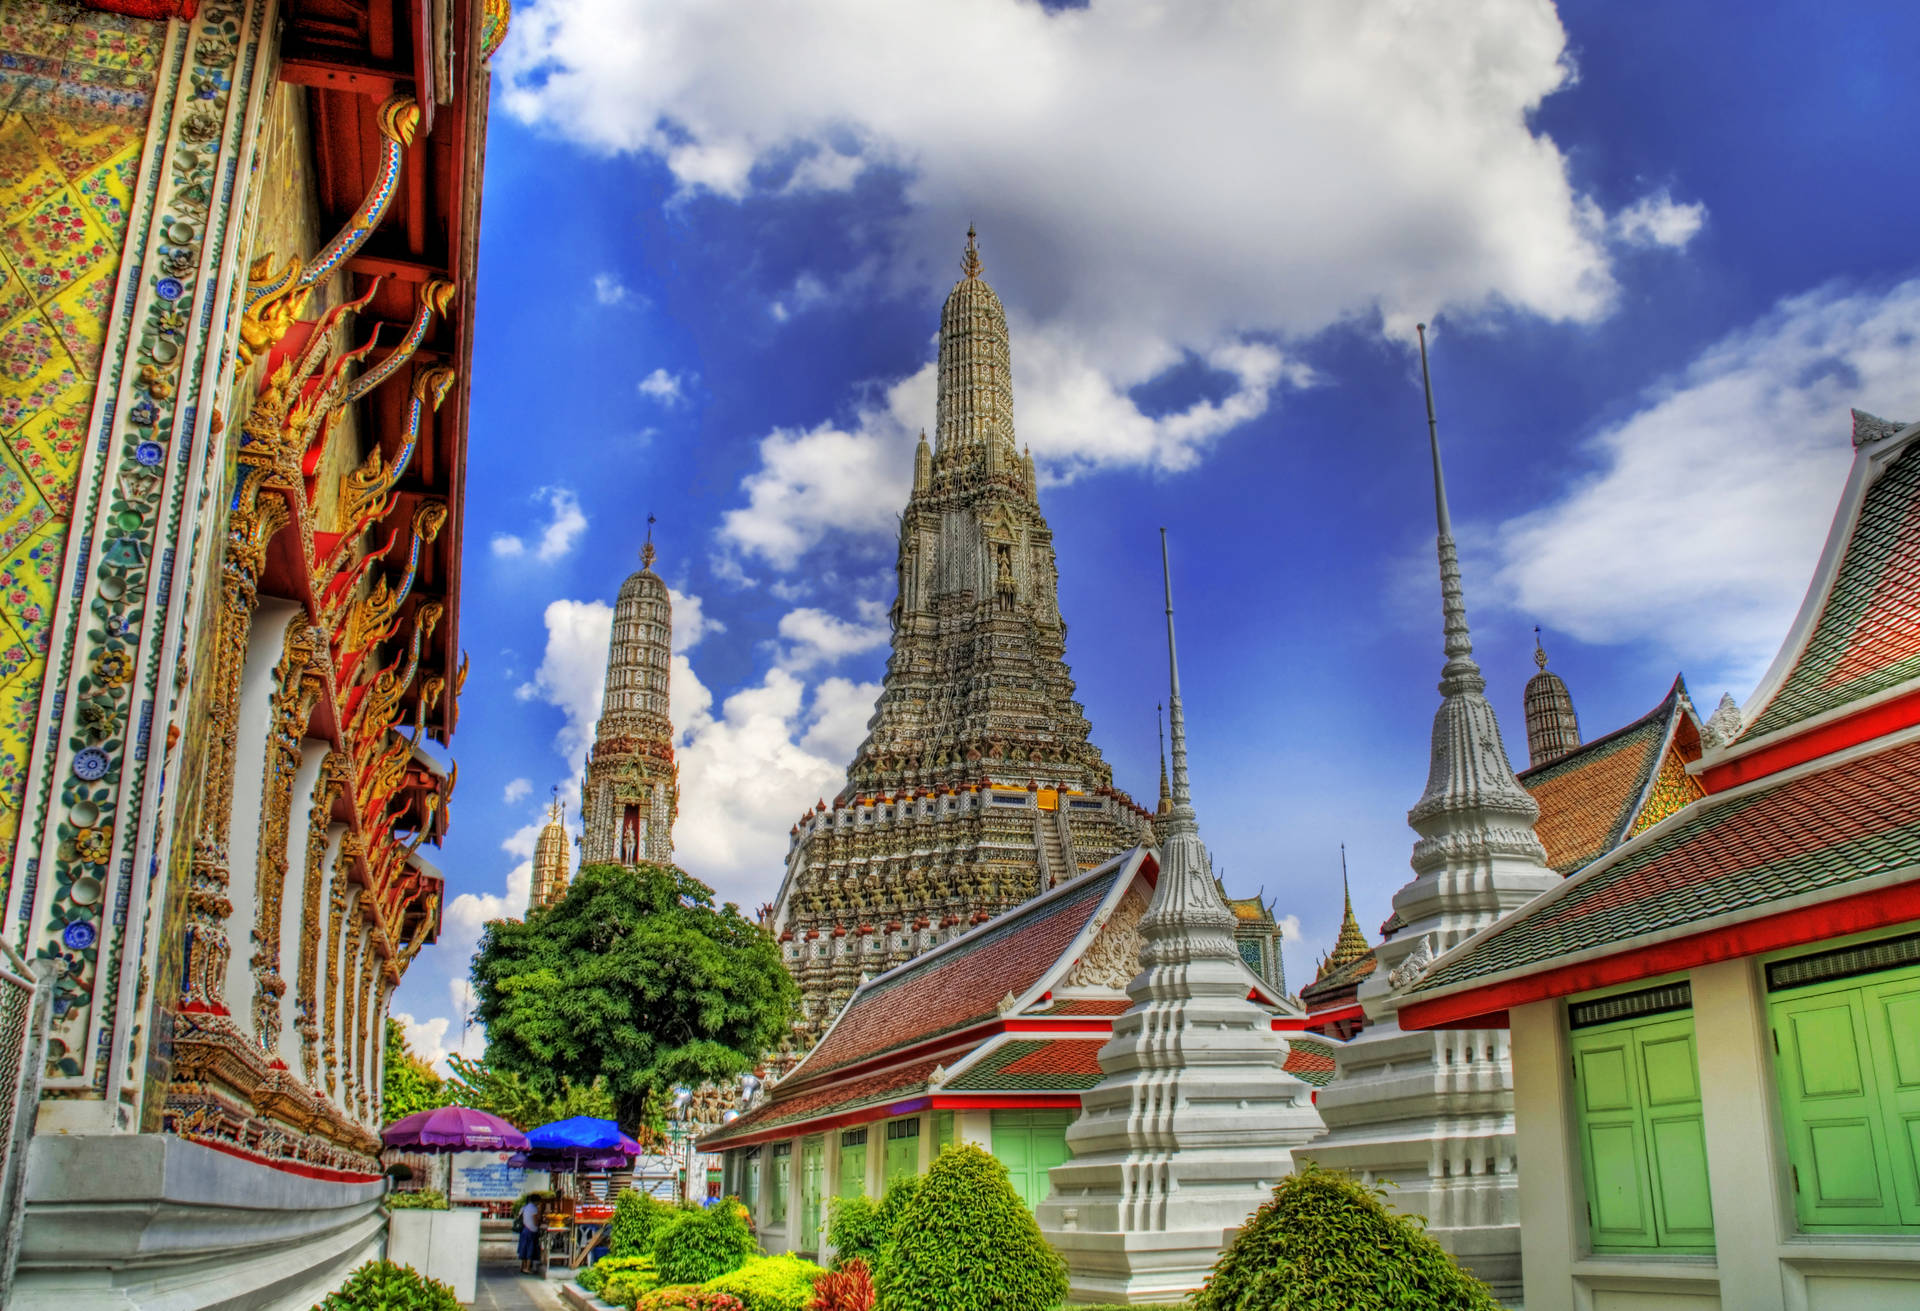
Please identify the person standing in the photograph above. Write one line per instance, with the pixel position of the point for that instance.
(529, 1235)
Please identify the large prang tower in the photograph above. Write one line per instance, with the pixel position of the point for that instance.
(631, 792)
(976, 787)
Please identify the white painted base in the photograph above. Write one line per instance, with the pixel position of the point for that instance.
(122, 1221)
(443, 1245)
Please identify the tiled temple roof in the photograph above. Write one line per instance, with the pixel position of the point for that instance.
(1040, 1064)
(1737, 852)
(964, 981)
(1337, 984)
(1309, 1059)
(1866, 638)
(845, 1095)
(1590, 798)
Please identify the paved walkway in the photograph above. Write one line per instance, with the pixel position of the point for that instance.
(503, 1288)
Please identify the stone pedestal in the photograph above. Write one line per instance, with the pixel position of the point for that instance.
(443, 1245)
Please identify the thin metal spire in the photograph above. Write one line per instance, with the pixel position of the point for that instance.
(646, 552)
(1176, 716)
(1539, 651)
(1346, 888)
(1461, 673)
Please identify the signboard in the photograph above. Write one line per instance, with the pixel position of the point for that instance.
(486, 1177)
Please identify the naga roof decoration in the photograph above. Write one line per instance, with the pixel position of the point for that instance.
(1858, 632)
(1840, 822)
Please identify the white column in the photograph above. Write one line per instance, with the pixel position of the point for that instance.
(1552, 1185)
(1744, 1173)
(974, 1127)
(313, 754)
(265, 643)
(876, 1159)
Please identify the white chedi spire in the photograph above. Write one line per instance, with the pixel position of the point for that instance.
(1196, 1118)
(1432, 1112)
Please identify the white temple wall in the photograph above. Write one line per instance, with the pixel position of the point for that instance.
(326, 949)
(265, 644)
(313, 753)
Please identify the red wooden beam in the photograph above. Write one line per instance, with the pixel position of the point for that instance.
(1483, 1008)
(1850, 731)
(331, 75)
(162, 9)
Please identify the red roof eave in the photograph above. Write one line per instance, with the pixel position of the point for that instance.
(1486, 1005)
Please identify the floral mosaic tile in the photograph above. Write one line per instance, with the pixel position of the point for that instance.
(22, 508)
(48, 446)
(34, 370)
(108, 191)
(79, 316)
(76, 149)
(27, 176)
(15, 296)
(55, 244)
(27, 579)
(19, 705)
(35, 29)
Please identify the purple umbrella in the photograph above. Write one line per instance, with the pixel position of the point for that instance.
(455, 1129)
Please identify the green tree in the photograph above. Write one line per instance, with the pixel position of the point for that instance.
(967, 1242)
(411, 1085)
(635, 977)
(1325, 1240)
(508, 1095)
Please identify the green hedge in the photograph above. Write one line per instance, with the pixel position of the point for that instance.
(637, 1220)
(595, 1276)
(854, 1229)
(966, 1242)
(770, 1283)
(1326, 1242)
(384, 1286)
(421, 1199)
(696, 1246)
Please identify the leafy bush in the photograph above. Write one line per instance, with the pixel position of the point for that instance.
(701, 1245)
(849, 1288)
(1326, 1240)
(384, 1286)
(967, 1242)
(595, 1276)
(636, 1223)
(422, 1199)
(770, 1283)
(854, 1229)
(688, 1297)
(624, 1289)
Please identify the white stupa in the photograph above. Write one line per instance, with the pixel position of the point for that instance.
(1196, 1119)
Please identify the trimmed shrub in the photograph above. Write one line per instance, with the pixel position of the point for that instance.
(636, 1222)
(1325, 1240)
(595, 1276)
(967, 1242)
(690, 1297)
(849, 1288)
(384, 1286)
(702, 1245)
(770, 1283)
(422, 1199)
(854, 1229)
(623, 1290)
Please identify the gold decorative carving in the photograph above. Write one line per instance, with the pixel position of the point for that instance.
(298, 680)
(343, 864)
(333, 781)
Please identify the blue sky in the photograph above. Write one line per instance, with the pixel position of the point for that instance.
(1664, 249)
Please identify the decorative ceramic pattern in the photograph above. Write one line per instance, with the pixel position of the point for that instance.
(76, 90)
(109, 641)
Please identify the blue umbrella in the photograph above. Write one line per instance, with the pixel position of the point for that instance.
(579, 1135)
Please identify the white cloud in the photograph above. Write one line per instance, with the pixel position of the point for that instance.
(1699, 525)
(468, 913)
(609, 290)
(429, 1038)
(1656, 220)
(517, 790)
(663, 387)
(814, 637)
(1289, 926)
(573, 672)
(565, 522)
(1156, 185)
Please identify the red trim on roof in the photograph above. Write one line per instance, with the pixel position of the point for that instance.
(1057, 1024)
(1334, 1015)
(1851, 730)
(1481, 1008)
(181, 9)
(1010, 1102)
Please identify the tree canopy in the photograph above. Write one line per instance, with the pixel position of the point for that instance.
(410, 1084)
(635, 978)
(508, 1095)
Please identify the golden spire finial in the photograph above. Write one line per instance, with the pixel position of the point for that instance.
(554, 809)
(1539, 652)
(970, 261)
(646, 551)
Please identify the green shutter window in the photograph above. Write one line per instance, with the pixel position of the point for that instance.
(750, 1181)
(903, 1150)
(853, 1163)
(1030, 1144)
(1848, 1070)
(813, 1172)
(777, 1183)
(1642, 1140)
(942, 1131)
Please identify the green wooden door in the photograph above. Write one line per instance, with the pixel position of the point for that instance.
(1029, 1144)
(813, 1172)
(903, 1150)
(1643, 1145)
(1849, 1076)
(853, 1163)
(777, 1183)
